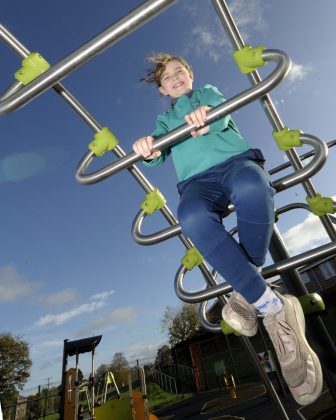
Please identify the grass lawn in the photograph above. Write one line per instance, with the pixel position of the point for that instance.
(158, 398)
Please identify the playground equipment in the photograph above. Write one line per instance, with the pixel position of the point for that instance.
(231, 385)
(133, 408)
(36, 76)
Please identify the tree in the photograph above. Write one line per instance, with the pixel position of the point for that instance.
(15, 363)
(100, 372)
(180, 323)
(164, 357)
(120, 368)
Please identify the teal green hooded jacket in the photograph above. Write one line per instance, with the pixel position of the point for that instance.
(197, 154)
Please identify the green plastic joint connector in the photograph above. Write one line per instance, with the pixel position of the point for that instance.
(153, 201)
(276, 216)
(192, 258)
(321, 205)
(32, 67)
(227, 329)
(248, 59)
(286, 139)
(312, 303)
(103, 141)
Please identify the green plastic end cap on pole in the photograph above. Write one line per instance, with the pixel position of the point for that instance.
(248, 59)
(192, 258)
(227, 330)
(153, 201)
(103, 141)
(321, 205)
(32, 66)
(287, 139)
(312, 303)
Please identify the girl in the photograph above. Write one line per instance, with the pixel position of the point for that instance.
(215, 166)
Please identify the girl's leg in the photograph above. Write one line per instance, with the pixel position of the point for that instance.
(203, 225)
(252, 195)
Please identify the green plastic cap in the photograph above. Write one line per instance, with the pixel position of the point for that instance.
(153, 201)
(32, 67)
(227, 330)
(248, 59)
(321, 205)
(312, 303)
(103, 141)
(286, 139)
(192, 258)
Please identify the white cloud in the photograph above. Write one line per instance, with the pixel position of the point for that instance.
(209, 39)
(127, 314)
(299, 72)
(102, 296)
(63, 317)
(97, 301)
(248, 14)
(306, 235)
(13, 285)
(143, 351)
(62, 297)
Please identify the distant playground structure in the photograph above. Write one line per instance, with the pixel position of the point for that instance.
(37, 75)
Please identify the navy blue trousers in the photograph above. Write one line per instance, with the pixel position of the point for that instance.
(242, 181)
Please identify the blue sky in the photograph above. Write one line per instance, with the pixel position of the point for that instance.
(69, 267)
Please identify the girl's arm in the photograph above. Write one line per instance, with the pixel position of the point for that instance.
(143, 146)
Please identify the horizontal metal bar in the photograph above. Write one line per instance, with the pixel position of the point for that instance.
(174, 136)
(91, 49)
(268, 272)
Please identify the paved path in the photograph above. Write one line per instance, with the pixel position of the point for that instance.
(259, 408)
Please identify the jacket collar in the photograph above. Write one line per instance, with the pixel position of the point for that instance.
(188, 95)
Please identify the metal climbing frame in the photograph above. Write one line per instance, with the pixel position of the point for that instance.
(24, 90)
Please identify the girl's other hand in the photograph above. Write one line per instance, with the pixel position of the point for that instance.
(198, 118)
(143, 147)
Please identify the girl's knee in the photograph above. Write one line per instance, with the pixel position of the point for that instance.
(195, 219)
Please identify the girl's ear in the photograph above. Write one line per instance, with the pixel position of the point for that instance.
(162, 91)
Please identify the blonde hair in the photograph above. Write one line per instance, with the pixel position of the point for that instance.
(159, 62)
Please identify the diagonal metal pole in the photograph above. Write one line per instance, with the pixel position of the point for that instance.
(317, 331)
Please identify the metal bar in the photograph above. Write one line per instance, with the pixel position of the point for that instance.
(277, 268)
(154, 238)
(302, 157)
(236, 102)
(20, 49)
(91, 49)
(238, 43)
(292, 280)
(320, 156)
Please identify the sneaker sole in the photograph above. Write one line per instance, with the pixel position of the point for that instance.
(306, 399)
(236, 325)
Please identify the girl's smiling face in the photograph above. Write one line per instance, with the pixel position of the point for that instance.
(175, 80)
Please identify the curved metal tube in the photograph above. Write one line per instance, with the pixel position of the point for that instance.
(154, 238)
(14, 87)
(98, 44)
(270, 271)
(209, 326)
(238, 101)
(301, 157)
(320, 157)
(201, 295)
